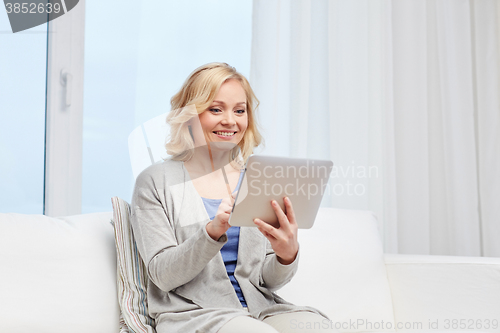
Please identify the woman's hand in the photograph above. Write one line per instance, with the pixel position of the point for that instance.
(284, 239)
(219, 225)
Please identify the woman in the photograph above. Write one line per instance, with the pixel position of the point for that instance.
(206, 276)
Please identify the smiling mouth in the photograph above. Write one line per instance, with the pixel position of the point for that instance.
(225, 133)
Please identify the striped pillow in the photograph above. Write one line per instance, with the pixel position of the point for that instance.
(131, 274)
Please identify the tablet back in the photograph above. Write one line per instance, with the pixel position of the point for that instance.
(268, 177)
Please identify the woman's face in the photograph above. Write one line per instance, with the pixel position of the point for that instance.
(226, 120)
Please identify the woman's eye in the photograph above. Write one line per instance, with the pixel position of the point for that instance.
(215, 110)
(240, 111)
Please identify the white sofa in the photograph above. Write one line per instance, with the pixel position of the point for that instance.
(59, 275)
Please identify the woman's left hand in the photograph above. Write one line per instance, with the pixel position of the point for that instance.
(283, 239)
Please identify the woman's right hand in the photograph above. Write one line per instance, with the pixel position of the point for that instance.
(219, 225)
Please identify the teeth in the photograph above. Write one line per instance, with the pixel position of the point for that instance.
(225, 133)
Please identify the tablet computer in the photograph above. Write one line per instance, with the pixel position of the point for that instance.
(268, 177)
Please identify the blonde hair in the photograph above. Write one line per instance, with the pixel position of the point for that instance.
(200, 89)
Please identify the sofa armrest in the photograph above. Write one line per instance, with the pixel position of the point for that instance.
(445, 292)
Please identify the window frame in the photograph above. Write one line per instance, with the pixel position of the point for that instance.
(64, 124)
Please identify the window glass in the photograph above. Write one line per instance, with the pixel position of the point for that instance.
(23, 59)
(135, 60)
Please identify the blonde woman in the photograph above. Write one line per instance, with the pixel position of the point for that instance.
(204, 275)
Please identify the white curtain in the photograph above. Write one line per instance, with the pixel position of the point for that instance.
(404, 97)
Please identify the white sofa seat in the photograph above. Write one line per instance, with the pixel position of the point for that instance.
(58, 275)
(445, 292)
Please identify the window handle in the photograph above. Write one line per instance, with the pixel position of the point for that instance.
(67, 81)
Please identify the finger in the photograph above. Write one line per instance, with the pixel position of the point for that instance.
(234, 194)
(283, 220)
(267, 229)
(226, 206)
(269, 237)
(224, 216)
(289, 210)
(228, 201)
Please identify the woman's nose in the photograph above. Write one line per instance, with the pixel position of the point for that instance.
(228, 118)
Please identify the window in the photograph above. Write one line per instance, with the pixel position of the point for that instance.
(135, 60)
(23, 59)
(124, 67)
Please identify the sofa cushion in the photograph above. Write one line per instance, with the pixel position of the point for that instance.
(445, 292)
(132, 276)
(58, 275)
(342, 272)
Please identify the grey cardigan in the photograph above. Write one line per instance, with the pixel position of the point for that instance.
(188, 288)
